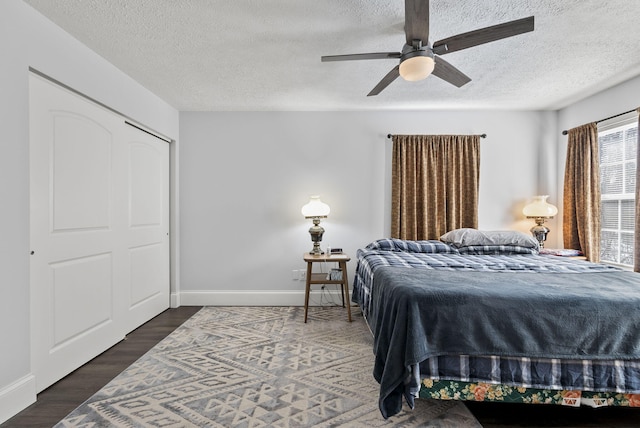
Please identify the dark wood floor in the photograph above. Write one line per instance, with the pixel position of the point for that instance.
(61, 398)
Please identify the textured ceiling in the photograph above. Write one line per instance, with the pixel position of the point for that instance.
(265, 54)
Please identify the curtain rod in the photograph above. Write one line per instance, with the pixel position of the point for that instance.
(565, 132)
(481, 135)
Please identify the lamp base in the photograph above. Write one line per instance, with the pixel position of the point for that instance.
(316, 231)
(540, 231)
(316, 251)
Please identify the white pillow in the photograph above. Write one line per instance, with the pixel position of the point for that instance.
(467, 236)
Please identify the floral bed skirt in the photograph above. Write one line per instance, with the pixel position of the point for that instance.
(478, 391)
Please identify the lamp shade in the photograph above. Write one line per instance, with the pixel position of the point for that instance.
(315, 208)
(539, 207)
(416, 68)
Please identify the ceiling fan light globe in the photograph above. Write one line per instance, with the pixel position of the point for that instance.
(416, 68)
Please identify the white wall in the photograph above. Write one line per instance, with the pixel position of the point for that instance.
(29, 40)
(616, 100)
(245, 176)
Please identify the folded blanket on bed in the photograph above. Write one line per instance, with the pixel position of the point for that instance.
(418, 314)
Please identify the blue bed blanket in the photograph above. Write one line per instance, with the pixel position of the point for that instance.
(416, 314)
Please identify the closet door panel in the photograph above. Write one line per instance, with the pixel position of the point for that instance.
(81, 168)
(73, 233)
(89, 280)
(148, 226)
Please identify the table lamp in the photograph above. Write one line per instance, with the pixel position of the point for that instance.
(540, 210)
(316, 209)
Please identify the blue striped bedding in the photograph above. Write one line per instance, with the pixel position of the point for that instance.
(438, 255)
(546, 373)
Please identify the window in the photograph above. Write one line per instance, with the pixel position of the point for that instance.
(618, 140)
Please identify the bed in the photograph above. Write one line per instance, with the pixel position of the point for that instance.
(490, 319)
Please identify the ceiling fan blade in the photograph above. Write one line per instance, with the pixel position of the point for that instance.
(416, 21)
(386, 80)
(448, 72)
(378, 55)
(483, 35)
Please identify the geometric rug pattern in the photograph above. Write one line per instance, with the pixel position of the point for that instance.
(258, 367)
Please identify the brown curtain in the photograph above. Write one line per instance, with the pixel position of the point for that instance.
(581, 203)
(636, 238)
(434, 184)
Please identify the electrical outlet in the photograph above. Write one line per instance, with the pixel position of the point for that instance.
(302, 275)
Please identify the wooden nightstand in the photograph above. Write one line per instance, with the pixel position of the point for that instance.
(321, 278)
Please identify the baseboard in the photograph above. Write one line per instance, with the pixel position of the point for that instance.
(174, 300)
(253, 298)
(17, 396)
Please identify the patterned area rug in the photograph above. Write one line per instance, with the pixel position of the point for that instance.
(258, 367)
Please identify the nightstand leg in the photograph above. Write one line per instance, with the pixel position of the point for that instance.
(307, 290)
(345, 282)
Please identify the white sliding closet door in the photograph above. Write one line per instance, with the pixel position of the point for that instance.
(99, 229)
(147, 227)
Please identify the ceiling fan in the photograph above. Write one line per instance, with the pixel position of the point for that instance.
(419, 58)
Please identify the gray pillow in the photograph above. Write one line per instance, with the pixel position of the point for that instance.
(473, 237)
